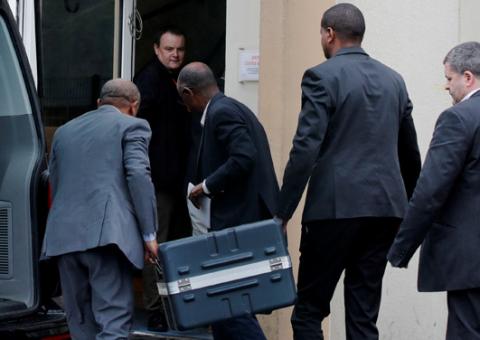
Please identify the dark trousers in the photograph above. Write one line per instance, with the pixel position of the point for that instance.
(359, 246)
(98, 293)
(463, 314)
(239, 328)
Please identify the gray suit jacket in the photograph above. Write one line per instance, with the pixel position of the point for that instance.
(355, 142)
(444, 211)
(101, 186)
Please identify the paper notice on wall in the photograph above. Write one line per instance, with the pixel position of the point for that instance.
(249, 62)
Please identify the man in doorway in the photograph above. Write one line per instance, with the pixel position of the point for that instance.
(443, 212)
(170, 122)
(234, 167)
(103, 203)
(356, 145)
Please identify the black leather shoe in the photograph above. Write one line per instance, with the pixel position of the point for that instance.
(157, 322)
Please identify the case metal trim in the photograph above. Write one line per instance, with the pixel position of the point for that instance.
(224, 276)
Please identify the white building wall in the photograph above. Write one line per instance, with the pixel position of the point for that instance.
(24, 12)
(243, 31)
(26, 18)
(413, 37)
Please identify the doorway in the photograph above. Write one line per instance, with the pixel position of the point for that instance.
(204, 24)
(82, 44)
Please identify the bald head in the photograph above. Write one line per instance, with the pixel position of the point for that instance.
(197, 76)
(196, 85)
(121, 93)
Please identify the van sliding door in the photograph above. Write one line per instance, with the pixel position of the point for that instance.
(21, 154)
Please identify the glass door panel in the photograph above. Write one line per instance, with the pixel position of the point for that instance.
(77, 57)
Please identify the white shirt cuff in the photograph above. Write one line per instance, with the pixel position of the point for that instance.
(204, 187)
(149, 237)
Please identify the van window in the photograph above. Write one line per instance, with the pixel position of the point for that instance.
(13, 94)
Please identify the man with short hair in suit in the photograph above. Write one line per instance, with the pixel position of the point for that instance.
(356, 145)
(443, 211)
(234, 168)
(102, 222)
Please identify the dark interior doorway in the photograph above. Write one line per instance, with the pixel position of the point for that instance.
(203, 21)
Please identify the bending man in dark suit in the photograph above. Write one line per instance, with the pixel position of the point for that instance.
(234, 168)
(103, 204)
(443, 212)
(356, 143)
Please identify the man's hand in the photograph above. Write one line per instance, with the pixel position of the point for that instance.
(284, 224)
(195, 195)
(151, 251)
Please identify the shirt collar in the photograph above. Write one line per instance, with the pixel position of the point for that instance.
(202, 120)
(350, 50)
(471, 93)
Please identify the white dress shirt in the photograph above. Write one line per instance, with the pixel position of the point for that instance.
(202, 123)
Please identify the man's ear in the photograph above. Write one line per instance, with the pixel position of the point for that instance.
(156, 47)
(186, 91)
(330, 34)
(469, 78)
(133, 108)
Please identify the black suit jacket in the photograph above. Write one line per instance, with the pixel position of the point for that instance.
(444, 211)
(170, 122)
(355, 142)
(234, 158)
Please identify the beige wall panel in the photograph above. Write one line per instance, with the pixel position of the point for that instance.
(289, 44)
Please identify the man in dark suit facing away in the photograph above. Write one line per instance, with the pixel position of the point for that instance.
(444, 210)
(234, 168)
(356, 143)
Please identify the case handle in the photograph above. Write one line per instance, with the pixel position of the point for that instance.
(231, 287)
(227, 260)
